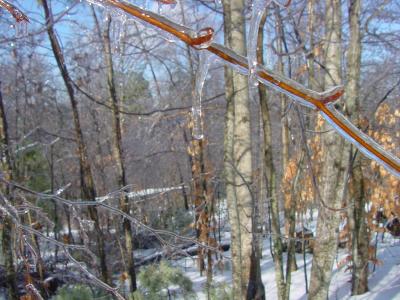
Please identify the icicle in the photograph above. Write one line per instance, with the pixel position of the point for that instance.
(368, 140)
(119, 31)
(258, 9)
(201, 74)
(21, 28)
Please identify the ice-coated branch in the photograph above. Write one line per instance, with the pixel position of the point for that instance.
(158, 233)
(100, 283)
(308, 98)
(10, 211)
(18, 15)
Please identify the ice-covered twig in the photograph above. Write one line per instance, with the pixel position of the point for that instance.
(18, 15)
(294, 90)
(66, 248)
(157, 232)
(100, 283)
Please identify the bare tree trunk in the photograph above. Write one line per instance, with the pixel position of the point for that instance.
(228, 140)
(277, 251)
(238, 160)
(117, 152)
(332, 177)
(7, 226)
(86, 179)
(357, 217)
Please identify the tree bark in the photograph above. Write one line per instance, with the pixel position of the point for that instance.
(328, 219)
(86, 179)
(239, 157)
(357, 216)
(277, 250)
(228, 147)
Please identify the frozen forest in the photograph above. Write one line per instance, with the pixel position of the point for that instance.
(199, 149)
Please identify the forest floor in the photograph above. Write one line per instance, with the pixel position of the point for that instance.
(384, 281)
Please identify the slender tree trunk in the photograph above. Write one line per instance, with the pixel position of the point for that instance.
(357, 217)
(228, 141)
(117, 152)
(7, 226)
(332, 177)
(238, 160)
(277, 250)
(86, 179)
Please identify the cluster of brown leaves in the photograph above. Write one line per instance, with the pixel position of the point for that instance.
(305, 191)
(383, 189)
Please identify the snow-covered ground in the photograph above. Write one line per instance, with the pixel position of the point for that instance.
(384, 283)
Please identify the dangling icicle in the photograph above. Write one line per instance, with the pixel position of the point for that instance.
(258, 9)
(21, 29)
(197, 113)
(119, 32)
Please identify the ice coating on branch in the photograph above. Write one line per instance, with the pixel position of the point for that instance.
(82, 230)
(197, 114)
(379, 151)
(18, 15)
(92, 277)
(21, 20)
(203, 38)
